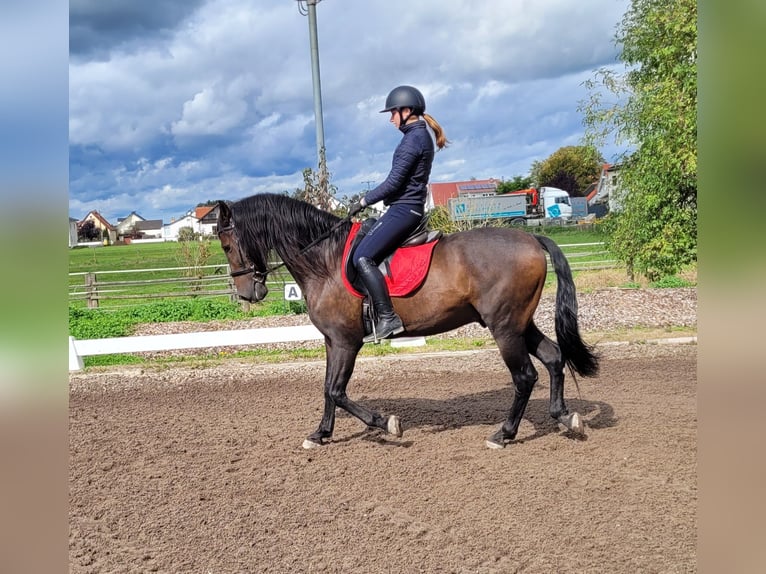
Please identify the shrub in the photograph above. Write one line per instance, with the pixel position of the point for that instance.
(671, 282)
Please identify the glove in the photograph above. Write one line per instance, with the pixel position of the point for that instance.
(355, 208)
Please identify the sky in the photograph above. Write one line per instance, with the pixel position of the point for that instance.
(176, 102)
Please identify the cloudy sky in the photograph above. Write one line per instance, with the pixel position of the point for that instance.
(176, 102)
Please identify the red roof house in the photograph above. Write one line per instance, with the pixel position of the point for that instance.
(440, 193)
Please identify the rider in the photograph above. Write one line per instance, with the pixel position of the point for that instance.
(404, 192)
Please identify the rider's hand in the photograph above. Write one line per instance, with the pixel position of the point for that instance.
(355, 208)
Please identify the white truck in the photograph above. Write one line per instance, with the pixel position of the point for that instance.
(522, 205)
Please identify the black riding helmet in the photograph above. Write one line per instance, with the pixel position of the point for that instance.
(405, 97)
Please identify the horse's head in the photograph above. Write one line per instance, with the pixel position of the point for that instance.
(249, 281)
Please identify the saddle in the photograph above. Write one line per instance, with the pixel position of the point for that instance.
(404, 270)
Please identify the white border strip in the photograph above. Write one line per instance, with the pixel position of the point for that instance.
(228, 338)
(233, 337)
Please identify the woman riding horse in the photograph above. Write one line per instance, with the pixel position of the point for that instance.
(404, 192)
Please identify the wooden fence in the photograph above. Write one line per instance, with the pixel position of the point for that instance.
(120, 288)
(128, 287)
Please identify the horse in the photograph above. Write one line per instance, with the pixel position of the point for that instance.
(490, 275)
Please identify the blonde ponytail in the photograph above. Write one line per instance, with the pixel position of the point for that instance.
(441, 139)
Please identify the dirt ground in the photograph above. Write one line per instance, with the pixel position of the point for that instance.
(202, 470)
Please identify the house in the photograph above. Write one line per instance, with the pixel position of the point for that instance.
(126, 225)
(170, 230)
(149, 229)
(202, 220)
(72, 232)
(99, 222)
(439, 194)
(606, 192)
(208, 219)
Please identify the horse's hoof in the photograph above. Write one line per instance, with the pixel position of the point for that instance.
(492, 444)
(309, 444)
(394, 426)
(573, 422)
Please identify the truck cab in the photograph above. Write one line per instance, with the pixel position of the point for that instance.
(555, 203)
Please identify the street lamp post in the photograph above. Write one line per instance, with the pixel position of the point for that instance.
(308, 7)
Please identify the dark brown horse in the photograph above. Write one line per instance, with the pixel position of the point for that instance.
(492, 276)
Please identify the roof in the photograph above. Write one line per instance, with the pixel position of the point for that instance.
(121, 219)
(591, 192)
(148, 224)
(441, 193)
(202, 210)
(101, 219)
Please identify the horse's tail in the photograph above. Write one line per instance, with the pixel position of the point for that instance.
(578, 355)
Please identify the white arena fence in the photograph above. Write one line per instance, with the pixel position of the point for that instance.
(206, 339)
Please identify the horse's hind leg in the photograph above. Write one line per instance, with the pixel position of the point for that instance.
(514, 353)
(549, 354)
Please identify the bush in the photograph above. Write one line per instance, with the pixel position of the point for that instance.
(187, 234)
(97, 324)
(671, 282)
(100, 323)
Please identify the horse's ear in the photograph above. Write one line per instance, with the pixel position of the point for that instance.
(224, 214)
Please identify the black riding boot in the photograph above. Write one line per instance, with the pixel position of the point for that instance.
(389, 322)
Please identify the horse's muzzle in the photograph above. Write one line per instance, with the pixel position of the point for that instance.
(260, 291)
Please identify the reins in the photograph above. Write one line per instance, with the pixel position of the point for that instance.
(260, 276)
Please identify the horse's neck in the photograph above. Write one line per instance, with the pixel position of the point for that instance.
(301, 264)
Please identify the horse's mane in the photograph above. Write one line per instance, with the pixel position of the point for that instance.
(269, 222)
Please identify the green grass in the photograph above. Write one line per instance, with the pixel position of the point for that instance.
(671, 282)
(134, 256)
(569, 234)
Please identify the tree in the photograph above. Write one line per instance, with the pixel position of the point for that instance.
(88, 231)
(317, 189)
(516, 183)
(571, 168)
(655, 231)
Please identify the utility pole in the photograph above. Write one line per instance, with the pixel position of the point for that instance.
(308, 7)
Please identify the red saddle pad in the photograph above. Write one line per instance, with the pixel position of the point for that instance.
(408, 267)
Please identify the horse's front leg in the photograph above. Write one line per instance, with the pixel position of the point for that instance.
(340, 366)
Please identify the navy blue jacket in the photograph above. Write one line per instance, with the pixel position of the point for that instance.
(410, 169)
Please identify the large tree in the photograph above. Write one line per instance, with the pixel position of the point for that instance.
(655, 230)
(571, 168)
(516, 183)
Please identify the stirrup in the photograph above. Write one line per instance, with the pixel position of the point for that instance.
(374, 338)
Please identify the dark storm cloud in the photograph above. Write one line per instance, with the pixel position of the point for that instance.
(96, 26)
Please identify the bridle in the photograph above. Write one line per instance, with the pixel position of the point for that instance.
(258, 276)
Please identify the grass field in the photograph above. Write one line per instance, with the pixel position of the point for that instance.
(169, 254)
(134, 256)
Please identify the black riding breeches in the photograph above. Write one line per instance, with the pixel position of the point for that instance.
(389, 232)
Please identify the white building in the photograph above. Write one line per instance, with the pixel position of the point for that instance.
(72, 232)
(170, 230)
